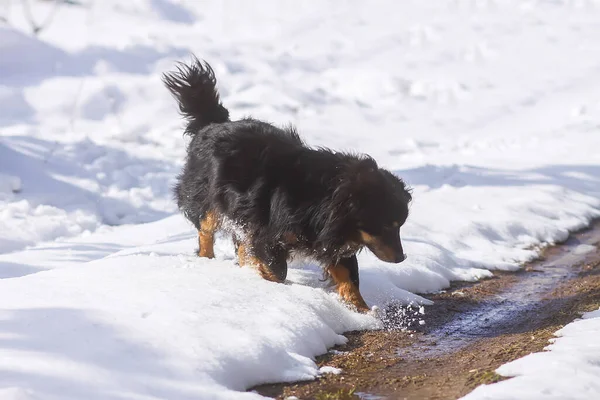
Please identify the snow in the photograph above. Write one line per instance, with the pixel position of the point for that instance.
(488, 109)
(130, 325)
(329, 370)
(569, 369)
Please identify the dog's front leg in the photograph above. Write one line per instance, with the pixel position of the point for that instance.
(271, 261)
(345, 276)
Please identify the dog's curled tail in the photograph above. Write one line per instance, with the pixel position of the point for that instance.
(195, 89)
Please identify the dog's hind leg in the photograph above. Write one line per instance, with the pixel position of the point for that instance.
(345, 276)
(209, 223)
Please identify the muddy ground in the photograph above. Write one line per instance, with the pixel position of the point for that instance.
(470, 331)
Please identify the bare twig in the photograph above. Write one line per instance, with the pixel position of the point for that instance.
(37, 28)
(6, 12)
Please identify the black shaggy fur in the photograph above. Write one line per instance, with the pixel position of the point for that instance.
(281, 195)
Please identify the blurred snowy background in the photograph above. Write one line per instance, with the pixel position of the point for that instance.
(489, 109)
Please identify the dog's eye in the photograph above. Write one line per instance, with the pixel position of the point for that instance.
(396, 224)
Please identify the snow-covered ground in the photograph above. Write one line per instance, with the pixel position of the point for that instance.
(570, 370)
(488, 109)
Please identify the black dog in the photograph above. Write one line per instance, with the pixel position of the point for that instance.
(276, 195)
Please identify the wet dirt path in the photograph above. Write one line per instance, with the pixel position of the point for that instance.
(470, 331)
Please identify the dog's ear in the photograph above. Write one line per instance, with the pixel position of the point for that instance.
(354, 186)
(402, 191)
(365, 171)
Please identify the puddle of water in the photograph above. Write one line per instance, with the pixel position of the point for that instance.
(518, 303)
(368, 396)
(584, 249)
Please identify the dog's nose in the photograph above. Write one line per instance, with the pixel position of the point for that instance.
(400, 257)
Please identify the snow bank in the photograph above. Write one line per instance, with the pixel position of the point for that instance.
(569, 369)
(158, 322)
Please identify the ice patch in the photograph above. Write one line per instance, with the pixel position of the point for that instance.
(368, 396)
(329, 370)
(584, 249)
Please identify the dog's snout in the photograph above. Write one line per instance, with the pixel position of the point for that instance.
(400, 257)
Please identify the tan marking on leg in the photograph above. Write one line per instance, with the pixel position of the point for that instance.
(206, 234)
(346, 289)
(242, 254)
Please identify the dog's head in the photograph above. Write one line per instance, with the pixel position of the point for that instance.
(376, 202)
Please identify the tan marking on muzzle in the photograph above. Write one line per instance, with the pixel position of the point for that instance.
(377, 246)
